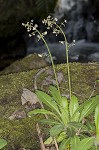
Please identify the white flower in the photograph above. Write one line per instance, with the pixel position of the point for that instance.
(56, 19)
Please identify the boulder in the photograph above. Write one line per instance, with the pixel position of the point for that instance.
(78, 52)
(32, 61)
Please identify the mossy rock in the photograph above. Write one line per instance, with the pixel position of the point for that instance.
(29, 62)
(22, 132)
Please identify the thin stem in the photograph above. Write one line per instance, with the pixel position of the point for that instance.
(68, 69)
(51, 61)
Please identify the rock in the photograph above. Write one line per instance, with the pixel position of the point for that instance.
(32, 61)
(94, 57)
(19, 114)
(83, 50)
(78, 52)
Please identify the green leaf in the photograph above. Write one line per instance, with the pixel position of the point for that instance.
(97, 124)
(40, 111)
(61, 137)
(85, 144)
(74, 142)
(73, 107)
(94, 100)
(55, 94)
(64, 115)
(77, 125)
(89, 106)
(64, 144)
(64, 103)
(55, 130)
(2, 143)
(49, 121)
(48, 141)
(47, 100)
(90, 126)
(64, 110)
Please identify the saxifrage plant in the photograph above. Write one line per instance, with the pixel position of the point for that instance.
(69, 120)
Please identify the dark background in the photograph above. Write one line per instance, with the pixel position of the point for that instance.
(12, 14)
(82, 17)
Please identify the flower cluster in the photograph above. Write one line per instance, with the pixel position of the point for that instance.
(32, 29)
(52, 23)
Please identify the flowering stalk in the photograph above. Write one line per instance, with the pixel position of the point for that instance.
(41, 36)
(51, 60)
(50, 22)
(66, 50)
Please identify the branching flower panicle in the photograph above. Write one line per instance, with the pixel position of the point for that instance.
(52, 23)
(57, 29)
(33, 31)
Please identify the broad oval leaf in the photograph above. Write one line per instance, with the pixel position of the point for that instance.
(73, 105)
(2, 143)
(48, 141)
(47, 100)
(74, 142)
(61, 137)
(89, 106)
(55, 94)
(64, 102)
(64, 110)
(40, 111)
(77, 125)
(93, 102)
(64, 144)
(55, 130)
(64, 115)
(85, 144)
(49, 121)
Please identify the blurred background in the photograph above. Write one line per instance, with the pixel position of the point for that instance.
(82, 24)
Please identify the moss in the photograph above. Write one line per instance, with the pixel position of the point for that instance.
(22, 133)
(27, 63)
(11, 89)
(19, 133)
